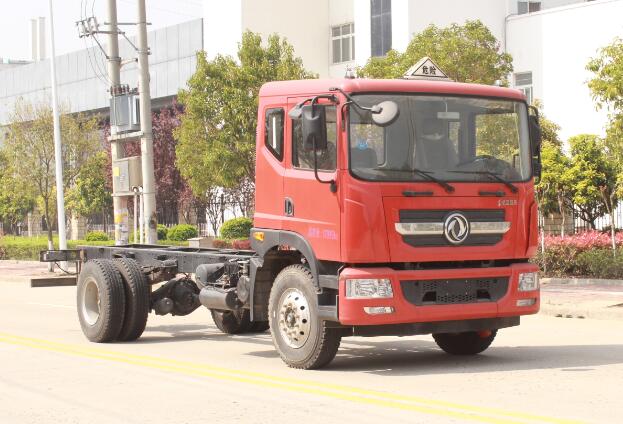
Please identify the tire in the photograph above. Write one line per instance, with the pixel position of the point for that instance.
(100, 301)
(293, 294)
(468, 343)
(232, 322)
(137, 292)
(259, 326)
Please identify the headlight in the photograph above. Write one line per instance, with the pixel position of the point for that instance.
(528, 281)
(369, 288)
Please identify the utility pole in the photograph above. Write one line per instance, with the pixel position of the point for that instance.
(120, 203)
(147, 144)
(58, 153)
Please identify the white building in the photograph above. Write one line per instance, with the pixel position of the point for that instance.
(551, 41)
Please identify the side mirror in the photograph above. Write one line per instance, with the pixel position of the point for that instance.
(314, 127)
(385, 113)
(535, 134)
(535, 144)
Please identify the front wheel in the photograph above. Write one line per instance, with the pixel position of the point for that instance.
(301, 338)
(468, 343)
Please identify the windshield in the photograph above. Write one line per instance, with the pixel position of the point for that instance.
(451, 138)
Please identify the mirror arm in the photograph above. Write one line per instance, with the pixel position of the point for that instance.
(351, 100)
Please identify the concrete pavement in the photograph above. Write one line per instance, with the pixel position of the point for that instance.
(184, 370)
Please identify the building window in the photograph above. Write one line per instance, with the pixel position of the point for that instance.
(523, 82)
(381, 26)
(343, 43)
(524, 7)
(273, 134)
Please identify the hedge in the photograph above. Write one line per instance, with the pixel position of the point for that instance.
(237, 228)
(163, 232)
(588, 254)
(97, 236)
(182, 232)
(28, 248)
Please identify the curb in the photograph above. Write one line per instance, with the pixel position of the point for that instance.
(611, 313)
(581, 282)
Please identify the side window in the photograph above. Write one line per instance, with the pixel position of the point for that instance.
(304, 159)
(273, 134)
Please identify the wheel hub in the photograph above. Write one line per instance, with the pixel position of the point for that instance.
(294, 318)
(91, 302)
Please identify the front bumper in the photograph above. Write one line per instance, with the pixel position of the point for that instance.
(351, 311)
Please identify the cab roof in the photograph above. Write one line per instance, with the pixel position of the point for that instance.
(363, 85)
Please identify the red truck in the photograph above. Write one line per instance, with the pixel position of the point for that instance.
(383, 207)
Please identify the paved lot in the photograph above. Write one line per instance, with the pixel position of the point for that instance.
(551, 370)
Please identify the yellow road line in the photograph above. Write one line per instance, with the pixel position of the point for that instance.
(372, 397)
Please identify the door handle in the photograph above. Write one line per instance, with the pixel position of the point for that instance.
(288, 207)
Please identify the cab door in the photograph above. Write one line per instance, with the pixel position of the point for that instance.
(310, 208)
(270, 167)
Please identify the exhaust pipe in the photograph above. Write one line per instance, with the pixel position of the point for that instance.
(219, 299)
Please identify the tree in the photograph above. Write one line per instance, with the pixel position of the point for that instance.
(591, 175)
(466, 53)
(91, 193)
(607, 84)
(15, 202)
(216, 138)
(29, 149)
(553, 187)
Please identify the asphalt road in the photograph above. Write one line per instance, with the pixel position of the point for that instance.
(183, 370)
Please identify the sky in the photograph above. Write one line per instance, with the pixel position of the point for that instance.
(16, 15)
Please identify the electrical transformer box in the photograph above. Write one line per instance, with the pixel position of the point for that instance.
(126, 174)
(125, 113)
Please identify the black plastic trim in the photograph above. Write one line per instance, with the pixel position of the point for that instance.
(275, 238)
(417, 328)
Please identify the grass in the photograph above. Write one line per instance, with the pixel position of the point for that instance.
(28, 248)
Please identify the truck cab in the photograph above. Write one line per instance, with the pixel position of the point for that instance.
(411, 202)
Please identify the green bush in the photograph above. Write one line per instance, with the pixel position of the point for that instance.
(163, 232)
(97, 236)
(28, 248)
(600, 263)
(182, 232)
(237, 228)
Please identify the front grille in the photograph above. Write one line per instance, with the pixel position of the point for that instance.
(472, 215)
(454, 291)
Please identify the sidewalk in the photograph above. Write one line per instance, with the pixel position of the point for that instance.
(582, 298)
(560, 297)
(12, 271)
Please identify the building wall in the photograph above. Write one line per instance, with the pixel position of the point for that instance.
(341, 12)
(304, 23)
(446, 12)
(82, 74)
(556, 44)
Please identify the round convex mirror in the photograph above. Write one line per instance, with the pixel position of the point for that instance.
(388, 113)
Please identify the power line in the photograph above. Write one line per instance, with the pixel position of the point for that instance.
(96, 72)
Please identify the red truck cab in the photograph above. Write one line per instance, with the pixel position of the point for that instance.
(411, 202)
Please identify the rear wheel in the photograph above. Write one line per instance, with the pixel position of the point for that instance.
(468, 343)
(100, 301)
(136, 299)
(232, 322)
(301, 338)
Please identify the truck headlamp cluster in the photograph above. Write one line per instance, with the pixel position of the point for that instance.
(528, 281)
(369, 288)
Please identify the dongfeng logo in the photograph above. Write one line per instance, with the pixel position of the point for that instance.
(456, 228)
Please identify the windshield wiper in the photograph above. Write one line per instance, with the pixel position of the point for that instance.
(493, 176)
(426, 175)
